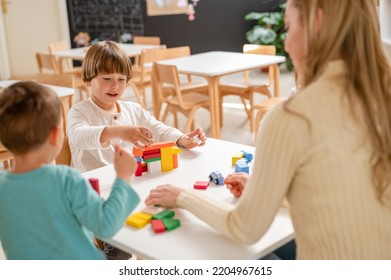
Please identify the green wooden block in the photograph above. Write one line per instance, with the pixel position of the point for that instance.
(164, 214)
(171, 224)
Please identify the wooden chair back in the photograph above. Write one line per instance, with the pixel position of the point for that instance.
(64, 157)
(261, 49)
(47, 63)
(166, 79)
(146, 40)
(62, 80)
(64, 64)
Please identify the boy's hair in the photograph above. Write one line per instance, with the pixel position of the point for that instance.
(28, 112)
(106, 57)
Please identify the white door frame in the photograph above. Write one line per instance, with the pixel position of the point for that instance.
(4, 61)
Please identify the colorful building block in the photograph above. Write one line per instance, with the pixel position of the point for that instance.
(242, 166)
(236, 156)
(139, 170)
(164, 152)
(201, 185)
(164, 214)
(95, 184)
(154, 166)
(144, 216)
(158, 226)
(248, 156)
(136, 222)
(171, 224)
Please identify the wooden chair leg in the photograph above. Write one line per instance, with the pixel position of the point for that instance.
(139, 95)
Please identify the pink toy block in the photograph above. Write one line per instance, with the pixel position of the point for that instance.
(201, 185)
(158, 226)
(95, 184)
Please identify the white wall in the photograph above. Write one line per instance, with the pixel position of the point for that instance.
(30, 25)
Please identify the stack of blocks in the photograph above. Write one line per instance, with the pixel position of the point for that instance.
(159, 157)
(161, 220)
(240, 160)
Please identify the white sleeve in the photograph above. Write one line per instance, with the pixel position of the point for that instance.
(81, 133)
(275, 162)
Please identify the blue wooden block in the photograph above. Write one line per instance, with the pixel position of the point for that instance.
(242, 166)
(248, 155)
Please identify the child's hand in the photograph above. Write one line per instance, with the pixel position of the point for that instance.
(124, 163)
(235, 183)
(139, 136)
(193, 139)
(164, 195)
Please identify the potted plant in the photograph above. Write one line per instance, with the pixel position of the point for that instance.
(269, 30)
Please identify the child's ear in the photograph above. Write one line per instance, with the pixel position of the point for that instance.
(54, 136)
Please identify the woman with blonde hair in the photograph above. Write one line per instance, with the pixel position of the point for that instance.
(327, 149)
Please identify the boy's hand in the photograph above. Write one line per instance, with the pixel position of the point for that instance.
(139, 136)
(193, 139)
(164, 195)
(235, 183)
(125, 164)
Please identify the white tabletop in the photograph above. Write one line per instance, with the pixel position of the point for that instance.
(194, 239)
(219, 63)
(79, 53)
(60, 91)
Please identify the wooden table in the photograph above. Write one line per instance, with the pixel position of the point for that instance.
(212, 66)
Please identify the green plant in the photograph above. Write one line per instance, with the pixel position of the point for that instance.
(269, 30)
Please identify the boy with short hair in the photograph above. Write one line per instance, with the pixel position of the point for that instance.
(50, 211)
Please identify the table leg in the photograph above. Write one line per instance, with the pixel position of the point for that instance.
(213, 83)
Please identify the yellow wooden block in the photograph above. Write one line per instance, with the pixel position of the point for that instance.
(143, 216)
(136, 222)
(167, 161)
(236, 157)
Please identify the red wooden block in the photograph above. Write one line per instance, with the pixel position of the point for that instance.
(139, 170)
(158, 226)
(201, 185)
(95, 184)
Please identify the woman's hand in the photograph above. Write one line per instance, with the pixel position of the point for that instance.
(164, 195)
(235, 183)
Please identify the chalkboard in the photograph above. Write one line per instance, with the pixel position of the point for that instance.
(106, 19)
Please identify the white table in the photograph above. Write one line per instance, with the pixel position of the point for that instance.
(194, 239)
(212, 66)
(62, 92)
(132, 50)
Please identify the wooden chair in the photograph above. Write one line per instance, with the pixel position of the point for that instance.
(5, 158)
(141, 75)
(167, 78)
(62, 80)
(47, 64)
(64, 157)
(186, 86)
(262, 107)
(246, 88)
(65, 65)
(146, 40)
